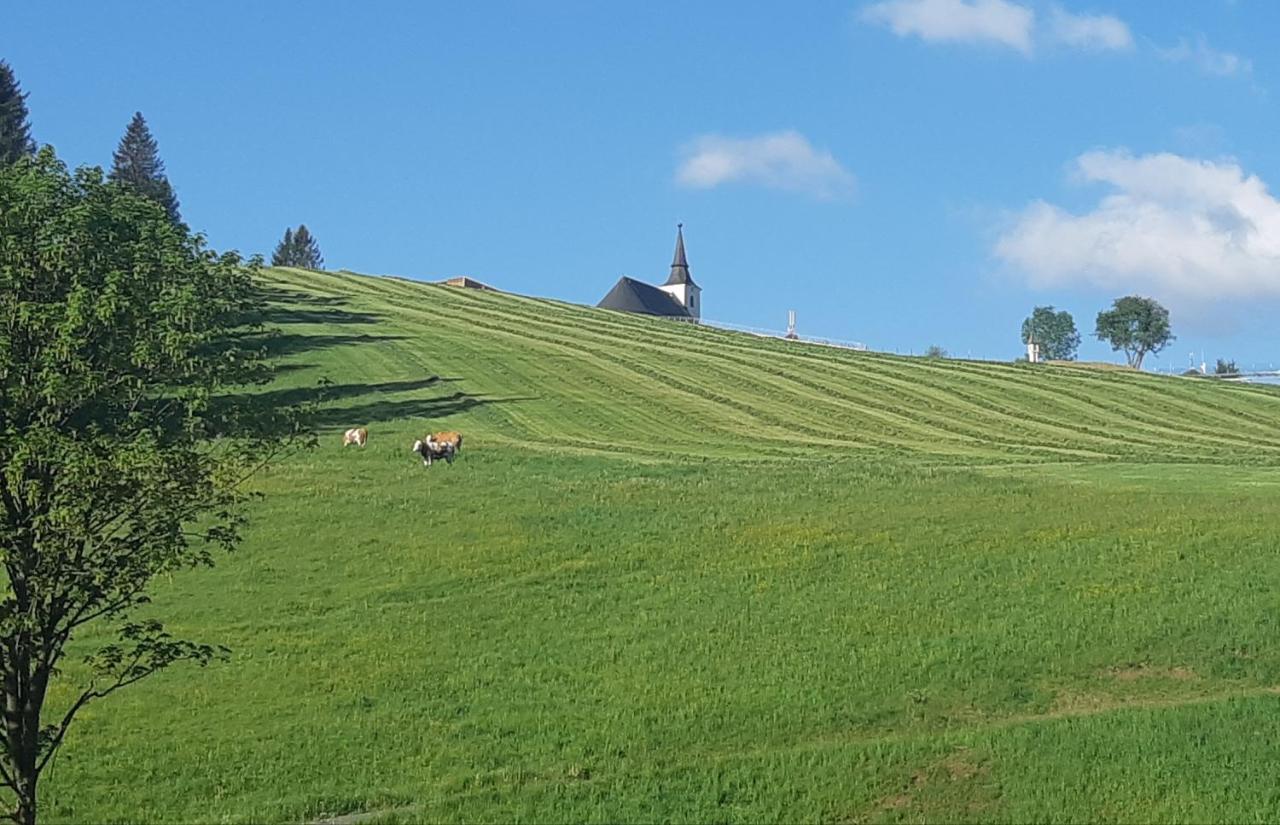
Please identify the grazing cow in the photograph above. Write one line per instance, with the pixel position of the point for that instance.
(355, 435)
(450, 437)
(430, 451)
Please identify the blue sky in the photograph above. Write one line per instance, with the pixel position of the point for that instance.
(904, 173)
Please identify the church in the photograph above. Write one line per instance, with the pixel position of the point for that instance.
(678, 298)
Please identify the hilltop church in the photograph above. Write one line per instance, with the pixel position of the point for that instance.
(678, 298)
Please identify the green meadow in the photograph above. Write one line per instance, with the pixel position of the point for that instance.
(680, 574)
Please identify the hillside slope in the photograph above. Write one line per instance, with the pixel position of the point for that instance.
(566, 626)
(513, 369)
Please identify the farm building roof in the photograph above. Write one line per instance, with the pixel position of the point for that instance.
(467, 283)
(630, 295)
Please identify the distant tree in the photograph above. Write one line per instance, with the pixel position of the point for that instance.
(1226, 368)
(307, 249)
(15, 129)
(298, 249)
(283, 256)
(136, 164)
(935, 351)
(1054, 332)
(1137, 326)
(125, 436)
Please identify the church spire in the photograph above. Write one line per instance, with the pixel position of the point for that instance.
(679, 264)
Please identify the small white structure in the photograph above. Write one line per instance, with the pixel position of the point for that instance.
(1033, 352)
(679, 283)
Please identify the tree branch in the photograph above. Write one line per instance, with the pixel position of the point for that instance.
(8, 778)
(122, 680)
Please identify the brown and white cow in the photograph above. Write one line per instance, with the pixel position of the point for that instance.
(356, 435)
(431, 450)
(448, 437)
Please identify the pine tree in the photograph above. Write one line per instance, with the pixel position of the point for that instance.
(298, 249)
(136, 163)
(283, 256)
(308, 250)
(15, 130)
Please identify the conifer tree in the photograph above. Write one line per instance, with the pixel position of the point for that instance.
(136, 163)
(15, 130)
(298, 249)
(283, 256)
(308, 250)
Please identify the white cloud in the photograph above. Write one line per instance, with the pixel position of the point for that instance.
(958, 21)
(1091, 32)
(1186, 230)
(1208, 59)
(782, 160)
(1017, 26)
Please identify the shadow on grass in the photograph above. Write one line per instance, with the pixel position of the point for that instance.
(291, 296)
(281, 344)
(280, 307)
(283, 306)
(322, 393)
(379, 411)
(293, 315)
(281, 369)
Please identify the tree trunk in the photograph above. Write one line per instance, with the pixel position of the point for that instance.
(26, 811)
(23, 752)
(22, 730)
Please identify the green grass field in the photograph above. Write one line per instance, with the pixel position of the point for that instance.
(679, 574)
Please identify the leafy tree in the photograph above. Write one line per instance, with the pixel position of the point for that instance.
(136, 164)
(1055, 332)
(1138, 326)
(935, 351)
(121, 452)
(1224, 367)
(15, 130)
(298, 249)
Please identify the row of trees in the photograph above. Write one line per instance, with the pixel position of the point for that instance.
(298, 249)
(1135, 325)
(135, 164)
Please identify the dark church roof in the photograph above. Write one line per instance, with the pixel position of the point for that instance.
(679, 265)
(630, 295)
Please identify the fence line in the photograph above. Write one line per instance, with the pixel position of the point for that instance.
(773, 333)
(1261, 373)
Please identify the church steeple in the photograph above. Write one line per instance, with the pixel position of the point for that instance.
(679, 264)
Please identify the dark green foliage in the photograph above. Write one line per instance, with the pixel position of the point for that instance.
(1138, 326)
(1055, 332)
(1224, 367)
(15, 130)
(284, 250)
(935, 351)
(308, 251)
(298, 249)
(118, 330)
(136, 164)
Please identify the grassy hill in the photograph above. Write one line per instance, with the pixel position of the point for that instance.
(683, 574)
(564, 377)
